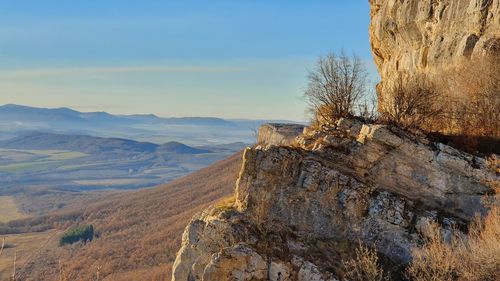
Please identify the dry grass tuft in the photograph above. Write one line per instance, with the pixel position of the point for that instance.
(434, 262)
(481, 253)
(473, 258)
(224, 204)
(364, 266)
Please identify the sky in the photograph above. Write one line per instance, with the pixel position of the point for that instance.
(229, 59)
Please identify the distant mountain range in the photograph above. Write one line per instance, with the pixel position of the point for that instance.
(18, 119)
(22, 113)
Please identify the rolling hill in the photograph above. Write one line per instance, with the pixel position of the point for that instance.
(177, 147)
(47, 172)
(139, 232)
(81, 143)
(93, 145)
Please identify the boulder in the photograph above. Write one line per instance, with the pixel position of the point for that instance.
(279, 134)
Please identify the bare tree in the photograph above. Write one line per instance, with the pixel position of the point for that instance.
(336, 85)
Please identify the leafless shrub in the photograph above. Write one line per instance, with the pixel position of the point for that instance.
(475, 84)
(336, 85)
(411, 103)
(471, 99)
(364, 266)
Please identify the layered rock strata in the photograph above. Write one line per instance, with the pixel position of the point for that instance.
(299, 209)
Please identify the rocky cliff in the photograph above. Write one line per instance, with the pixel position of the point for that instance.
(299, 209)
(417, 36)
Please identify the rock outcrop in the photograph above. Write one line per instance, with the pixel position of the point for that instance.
(279, 134)
(417, 36)
(298, 210)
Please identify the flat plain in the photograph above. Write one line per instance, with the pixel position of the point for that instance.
(9, 210)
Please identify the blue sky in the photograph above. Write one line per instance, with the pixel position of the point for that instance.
(232, 59)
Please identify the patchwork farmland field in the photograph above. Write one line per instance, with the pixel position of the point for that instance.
(18, 161)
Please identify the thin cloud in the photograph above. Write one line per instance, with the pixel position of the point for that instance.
(47, 72)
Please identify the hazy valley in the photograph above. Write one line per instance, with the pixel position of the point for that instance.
(194, 131)
(48, 158)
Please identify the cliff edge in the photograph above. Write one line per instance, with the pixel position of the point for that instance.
(299, 209)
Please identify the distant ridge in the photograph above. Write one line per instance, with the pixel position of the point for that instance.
(177, 147)
(23, 112)
(93, 145)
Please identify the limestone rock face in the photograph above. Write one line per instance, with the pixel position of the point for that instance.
(279, 134)
(298, 210)
(417, 36)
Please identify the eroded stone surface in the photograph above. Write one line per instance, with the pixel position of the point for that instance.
(297, 207)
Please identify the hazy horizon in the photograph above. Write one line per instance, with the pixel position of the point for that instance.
(145, 113)
(224, 59)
